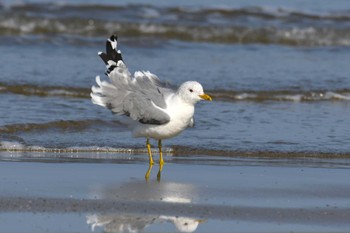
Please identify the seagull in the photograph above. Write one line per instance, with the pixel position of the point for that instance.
(156, 110)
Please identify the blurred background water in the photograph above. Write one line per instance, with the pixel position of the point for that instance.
(278, 72)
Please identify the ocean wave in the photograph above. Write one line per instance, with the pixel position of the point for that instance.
(20, 147)
(28, 90)
(218, 95)
(64, 125)
(18, 150)
(260, 96)
(145, 11)
(246, 25)
(306, 36)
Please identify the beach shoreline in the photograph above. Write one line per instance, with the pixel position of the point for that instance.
(248, 196)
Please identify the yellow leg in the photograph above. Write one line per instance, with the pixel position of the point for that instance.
(161, 161)
(148, 172)
(159, 172)
(151, 162)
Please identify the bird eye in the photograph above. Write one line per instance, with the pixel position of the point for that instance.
(190, 90)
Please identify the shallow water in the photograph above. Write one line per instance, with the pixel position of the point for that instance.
(266, 98)
(246, 196)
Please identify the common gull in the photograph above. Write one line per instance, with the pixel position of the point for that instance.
(157, 111)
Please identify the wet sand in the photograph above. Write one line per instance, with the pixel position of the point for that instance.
(199, 194)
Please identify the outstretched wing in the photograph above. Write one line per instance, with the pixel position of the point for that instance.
(141, 97)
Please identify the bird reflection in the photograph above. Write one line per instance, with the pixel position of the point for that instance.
(145, 192)
(159, 174)
(137, 223)
(120, 223)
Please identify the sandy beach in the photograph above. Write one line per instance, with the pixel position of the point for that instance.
(191, 195)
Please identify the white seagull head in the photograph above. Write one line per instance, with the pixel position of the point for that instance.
(191, 92)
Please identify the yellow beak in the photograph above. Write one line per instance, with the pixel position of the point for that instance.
(206, 97)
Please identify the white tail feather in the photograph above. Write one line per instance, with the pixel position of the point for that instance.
(97, 92)
(96, 99)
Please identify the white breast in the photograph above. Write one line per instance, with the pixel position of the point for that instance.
(180, 115)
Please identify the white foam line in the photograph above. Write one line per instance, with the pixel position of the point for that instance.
(18, 147)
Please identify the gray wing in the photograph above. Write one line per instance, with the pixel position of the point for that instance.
(141, 97)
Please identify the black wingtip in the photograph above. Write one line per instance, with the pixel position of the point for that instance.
(112, 52)
(104, 57)
(114, 37)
